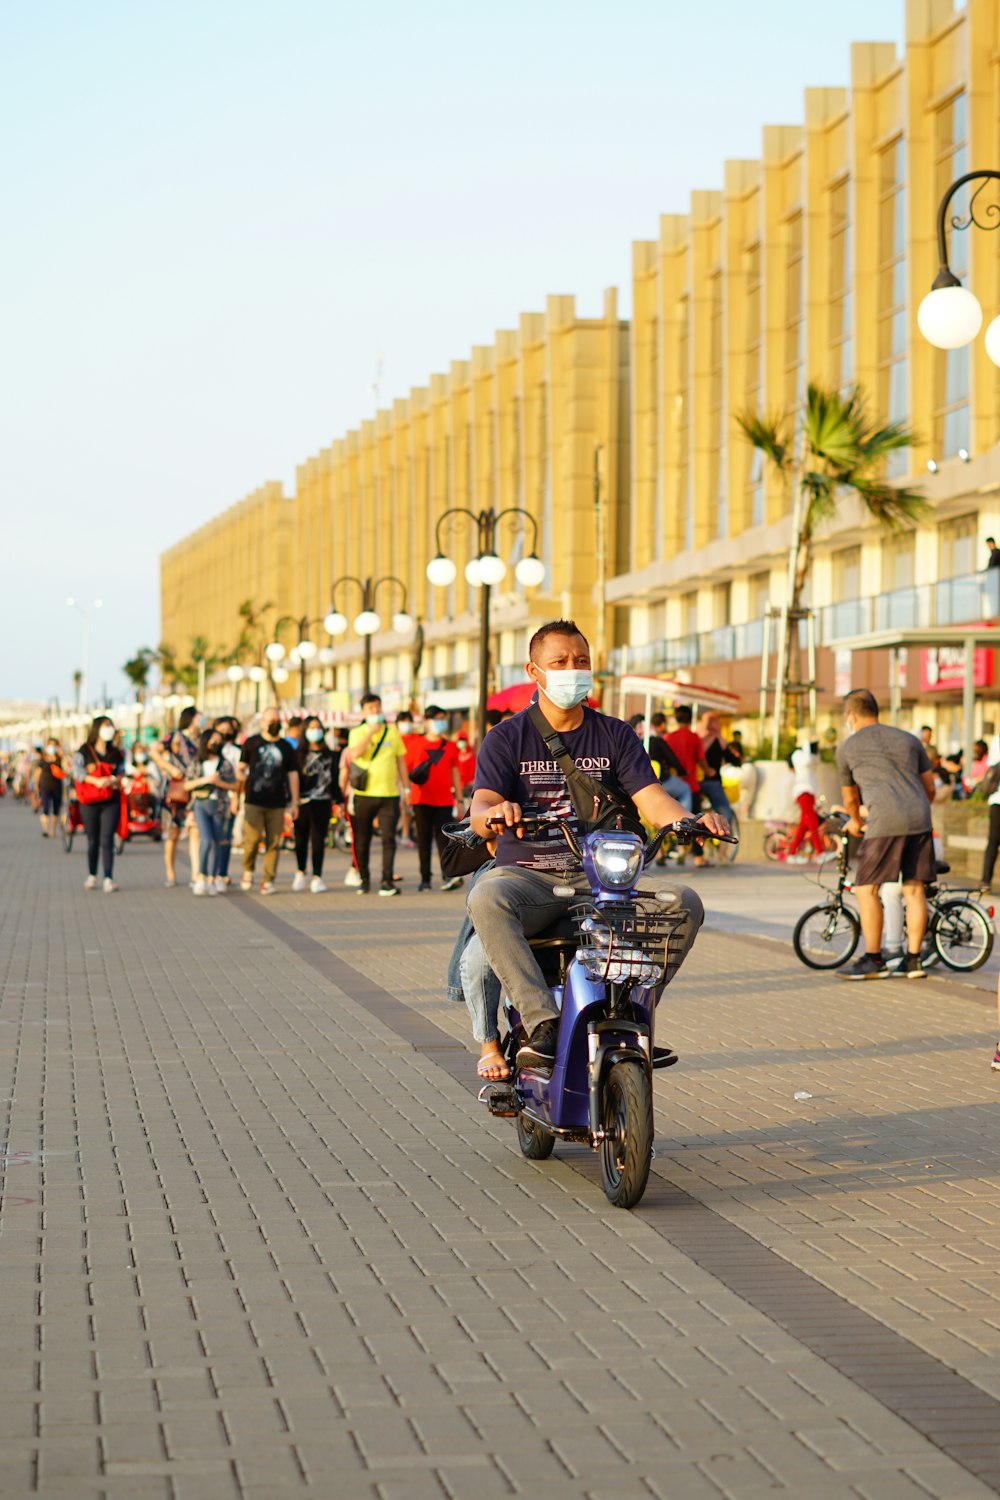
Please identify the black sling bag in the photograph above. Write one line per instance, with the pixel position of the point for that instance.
(596, 805)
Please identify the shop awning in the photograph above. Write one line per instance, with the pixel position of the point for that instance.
(697, 695)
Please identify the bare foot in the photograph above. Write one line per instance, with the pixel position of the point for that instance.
(492, 1064)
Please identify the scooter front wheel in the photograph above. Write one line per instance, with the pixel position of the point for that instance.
(627, 1147)
(534, 1140)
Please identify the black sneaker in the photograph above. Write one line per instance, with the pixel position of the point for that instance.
(912, 967)
(362, 889)
(869, 966)
(424, 885)
(389, 890)
(540, 1049)
(454, 884)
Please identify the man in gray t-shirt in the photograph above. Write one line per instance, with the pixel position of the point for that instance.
(889, 771)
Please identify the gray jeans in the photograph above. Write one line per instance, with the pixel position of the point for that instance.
(508, 905)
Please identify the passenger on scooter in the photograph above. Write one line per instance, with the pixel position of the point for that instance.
(517, 777)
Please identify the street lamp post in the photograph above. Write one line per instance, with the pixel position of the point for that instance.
(485, 572)
(368, 622)
(73, 604)
(950, 316)
(303, 651)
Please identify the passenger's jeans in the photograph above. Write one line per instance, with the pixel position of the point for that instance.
(509, 905)
(100, 819)
(480, 991)
(310, 828)
(366, 810)
(262, 825)
(209, 820)
(454, 983)
(678, 788)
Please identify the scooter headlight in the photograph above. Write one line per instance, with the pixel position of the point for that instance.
(618, 862)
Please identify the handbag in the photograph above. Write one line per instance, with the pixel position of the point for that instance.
(86, 792)
(177, 794)
(358, 775)
(420, 774)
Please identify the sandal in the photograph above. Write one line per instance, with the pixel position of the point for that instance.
(493, 1067)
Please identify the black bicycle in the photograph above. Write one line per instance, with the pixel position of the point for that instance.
(959, 927)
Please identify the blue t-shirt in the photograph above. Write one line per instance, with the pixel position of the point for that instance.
(514, 762)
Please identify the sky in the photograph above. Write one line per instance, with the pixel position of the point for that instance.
(222, 220)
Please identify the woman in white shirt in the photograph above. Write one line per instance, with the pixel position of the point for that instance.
(805, 789)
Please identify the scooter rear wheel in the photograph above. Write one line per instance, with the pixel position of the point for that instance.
(627, 1147)
(534, 1140)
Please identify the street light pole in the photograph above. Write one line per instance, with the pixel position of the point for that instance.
(86, 613)
(368, 621)
(485, 571)
(950, 316)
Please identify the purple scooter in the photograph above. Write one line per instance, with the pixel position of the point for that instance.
(605, 963)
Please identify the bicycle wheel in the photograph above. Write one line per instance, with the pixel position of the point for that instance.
(962, 934)
(775, 845)
(826, 936)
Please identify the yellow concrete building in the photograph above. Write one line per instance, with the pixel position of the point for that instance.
(808, 264)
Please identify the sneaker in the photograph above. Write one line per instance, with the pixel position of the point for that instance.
(300, 882)
(539, 1051)
(90, 884)
(267, 887)
(362, 888)
(912, 967)
(454, 884)
(389, 890)
(869, 966)
(108, 885)
(425, 885)
(246, 883)
(198, 888)
(796, 859)
(169, 883)
(352, 877)
(221, 884)
(995, 1064)
(317, 885)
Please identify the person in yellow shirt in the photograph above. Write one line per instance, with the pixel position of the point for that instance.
(374, 766)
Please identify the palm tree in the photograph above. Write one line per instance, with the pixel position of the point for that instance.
(835, 449)
(77, 685)
(252, 636)
(137, 669)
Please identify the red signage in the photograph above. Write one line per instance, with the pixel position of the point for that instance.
(942, 668)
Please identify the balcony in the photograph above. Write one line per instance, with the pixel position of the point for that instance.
(951, 601)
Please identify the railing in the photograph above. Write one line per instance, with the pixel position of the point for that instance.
(951, 601)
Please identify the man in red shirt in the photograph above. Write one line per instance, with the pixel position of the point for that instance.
(466, 762)
(690, 751)
(435, 790)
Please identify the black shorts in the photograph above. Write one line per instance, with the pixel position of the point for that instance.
(51, 802)
(908, 854)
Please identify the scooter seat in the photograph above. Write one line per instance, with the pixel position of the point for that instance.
(559, 934)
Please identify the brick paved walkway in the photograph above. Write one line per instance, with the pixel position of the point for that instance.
(259, 1239)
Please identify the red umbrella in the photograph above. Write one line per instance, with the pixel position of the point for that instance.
(517, 697)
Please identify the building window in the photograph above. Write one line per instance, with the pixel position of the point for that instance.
(847, 574)
(951, 372)
(689, 613)
(957, 547)
(794, 365)
(898, 563)
(685, 487)
(841, 279)
(754, 382)
(892, 364)
(717, 475)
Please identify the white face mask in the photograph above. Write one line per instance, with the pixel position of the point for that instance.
(567, 689)
(106, 733)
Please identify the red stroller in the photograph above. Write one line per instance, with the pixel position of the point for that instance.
(141, 814)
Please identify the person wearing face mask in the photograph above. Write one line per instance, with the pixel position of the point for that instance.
(374, 764)
(409, 731)
(466, 763)
(317, 779)
(97, 770)
(435, 791)
(269, 774)
(209, 787)
(177, 759)
(228, 728)
(51, 775)
(517, 777)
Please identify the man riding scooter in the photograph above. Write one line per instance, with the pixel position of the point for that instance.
(518, 776)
